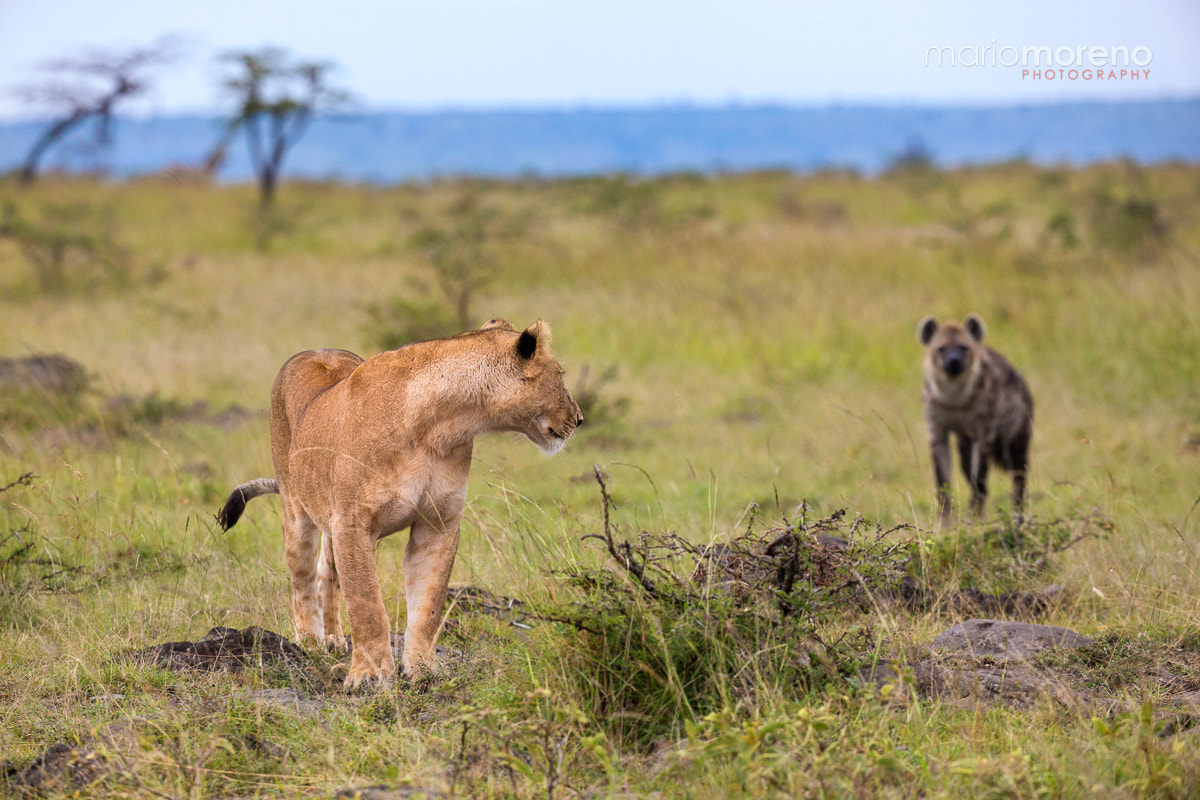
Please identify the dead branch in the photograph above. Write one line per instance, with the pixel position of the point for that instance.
(622, 553)
(25, 480)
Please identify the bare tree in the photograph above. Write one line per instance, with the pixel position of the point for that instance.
(276, 100)
(87, 89)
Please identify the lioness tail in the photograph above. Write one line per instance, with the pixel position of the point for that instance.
(228, 516)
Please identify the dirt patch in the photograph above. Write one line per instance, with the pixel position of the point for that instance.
(232, 651)
(224, 650)
(61, 768)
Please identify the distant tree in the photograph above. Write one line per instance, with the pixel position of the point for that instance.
(915, 158)
(276, 100)
(87, 89)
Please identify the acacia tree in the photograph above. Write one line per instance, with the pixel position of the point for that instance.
(86, 89)
(276, 100)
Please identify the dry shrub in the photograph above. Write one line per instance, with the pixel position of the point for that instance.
(672, 629)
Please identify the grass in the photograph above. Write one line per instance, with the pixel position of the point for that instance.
(749, 344)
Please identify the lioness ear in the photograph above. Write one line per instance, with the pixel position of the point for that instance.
(927, 329)
(975, 327)
(497, 322)
(527, 342)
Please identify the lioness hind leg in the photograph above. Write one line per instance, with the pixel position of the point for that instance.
(428, 560)
(302, 540)
(331, 597)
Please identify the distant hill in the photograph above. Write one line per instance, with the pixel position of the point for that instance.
(398, 146)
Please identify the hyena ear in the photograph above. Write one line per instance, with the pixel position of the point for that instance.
(975, 327)
(536, 334)
(927, 329)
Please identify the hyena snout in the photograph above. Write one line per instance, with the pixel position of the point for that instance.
(954, 360)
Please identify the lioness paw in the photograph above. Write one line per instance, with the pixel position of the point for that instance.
(414, 671)
(417, 667)
(368, 680)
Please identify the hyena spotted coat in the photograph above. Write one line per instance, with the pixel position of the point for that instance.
(973, 392)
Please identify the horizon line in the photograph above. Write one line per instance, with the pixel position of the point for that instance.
(666, 105)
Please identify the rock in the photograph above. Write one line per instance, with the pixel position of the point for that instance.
(53, 374)
(1012, 685)
(985, 662)
(1006, 640)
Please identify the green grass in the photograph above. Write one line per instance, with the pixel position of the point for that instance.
(750, 345)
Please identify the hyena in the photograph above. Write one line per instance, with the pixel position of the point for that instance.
(973, 392)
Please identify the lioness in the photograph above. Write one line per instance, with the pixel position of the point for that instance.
(363, 449)
(972, 391)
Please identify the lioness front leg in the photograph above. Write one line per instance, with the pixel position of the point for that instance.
(354, 555)
(428, 560)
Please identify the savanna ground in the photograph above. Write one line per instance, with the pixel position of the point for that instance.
(744, 349)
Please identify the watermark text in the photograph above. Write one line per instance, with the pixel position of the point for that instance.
(1048, 63)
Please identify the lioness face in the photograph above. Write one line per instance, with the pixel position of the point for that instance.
(952, 352)
(553, 412)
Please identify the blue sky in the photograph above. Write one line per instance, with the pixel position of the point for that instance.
(537, 53)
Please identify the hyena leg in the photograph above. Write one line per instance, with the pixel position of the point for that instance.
(1018, 451)
(428, 560)
(974, 458)
(940, 453)
(302, 539)
(331, 597)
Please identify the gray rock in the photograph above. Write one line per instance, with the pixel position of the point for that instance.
(1012, 685)
(1006, 641)
(52, 374)
(985, 662)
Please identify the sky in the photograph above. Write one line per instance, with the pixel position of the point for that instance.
(489, 54)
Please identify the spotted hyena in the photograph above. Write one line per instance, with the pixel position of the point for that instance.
(973, 392)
